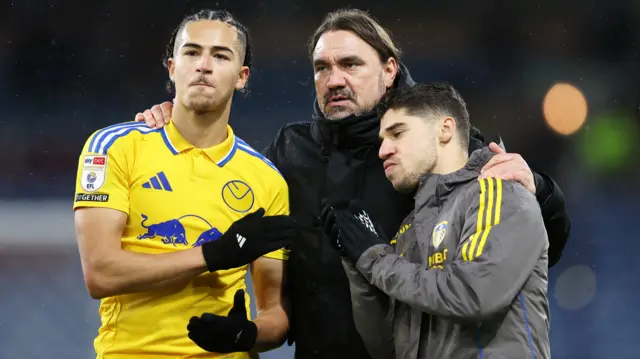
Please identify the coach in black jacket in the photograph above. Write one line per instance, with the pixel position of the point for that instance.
(336, 157)
(339, 159)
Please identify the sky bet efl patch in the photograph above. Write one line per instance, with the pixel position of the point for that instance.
(94, 169)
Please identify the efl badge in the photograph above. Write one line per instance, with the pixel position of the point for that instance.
(94, 169)
(438, 234)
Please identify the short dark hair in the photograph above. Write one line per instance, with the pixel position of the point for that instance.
(364, 26)
(423, 100)
(213, 15)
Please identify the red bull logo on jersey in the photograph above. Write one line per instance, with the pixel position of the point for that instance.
(172, 232)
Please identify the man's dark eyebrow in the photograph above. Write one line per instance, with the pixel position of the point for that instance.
(350, 59)
(396, 126)
(343, 60)
(216, 48)
(319, 62)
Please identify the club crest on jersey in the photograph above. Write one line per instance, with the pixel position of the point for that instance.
(238, 196)
(94, 169)
(439, 232)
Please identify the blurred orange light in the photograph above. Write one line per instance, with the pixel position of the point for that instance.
(564, 108)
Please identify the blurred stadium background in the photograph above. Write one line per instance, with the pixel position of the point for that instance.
(557, 79)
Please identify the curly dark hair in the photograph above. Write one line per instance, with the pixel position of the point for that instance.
(219, 15)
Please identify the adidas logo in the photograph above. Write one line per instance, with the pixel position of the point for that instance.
(240, 239)
(159, 182)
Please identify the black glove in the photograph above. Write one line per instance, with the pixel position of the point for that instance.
(220, 334)
(350, 229)
(328, 219)
(248, 239)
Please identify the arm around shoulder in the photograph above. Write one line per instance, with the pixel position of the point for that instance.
(556, 219)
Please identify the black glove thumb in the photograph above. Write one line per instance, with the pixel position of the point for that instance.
(239, 307)
(257, 214)
(326, 217)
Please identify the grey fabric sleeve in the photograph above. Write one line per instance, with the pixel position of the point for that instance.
(503, 237)
(372, 314)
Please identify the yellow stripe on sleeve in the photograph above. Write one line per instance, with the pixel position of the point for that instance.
(464, 251)
(488, 216)
(488, 223)
(474, 237)
(498, 200)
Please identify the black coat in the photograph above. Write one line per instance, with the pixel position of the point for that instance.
(339, 159)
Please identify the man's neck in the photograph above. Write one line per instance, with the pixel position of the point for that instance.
(202, 130)
(451, 160)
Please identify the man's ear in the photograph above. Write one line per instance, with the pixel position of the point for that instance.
(243, 77)
(390, 71)
(447, 129)
(171, 67)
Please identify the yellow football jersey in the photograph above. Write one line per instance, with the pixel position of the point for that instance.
(177, 197)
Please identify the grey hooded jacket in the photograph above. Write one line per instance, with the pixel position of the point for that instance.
(464, 277)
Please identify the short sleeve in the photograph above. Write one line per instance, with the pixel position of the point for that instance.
(102, 179)
(279, 206)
